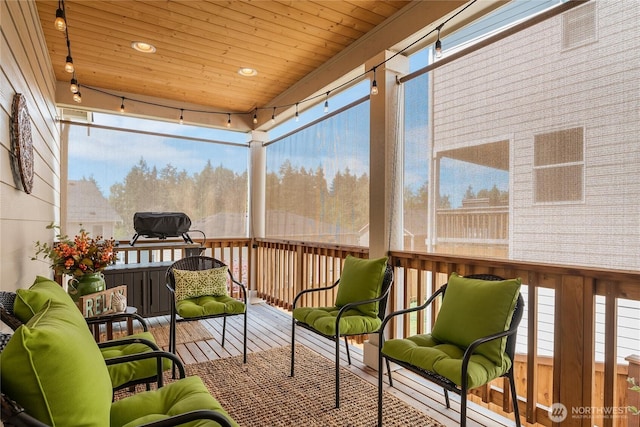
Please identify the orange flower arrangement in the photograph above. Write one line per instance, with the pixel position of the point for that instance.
(80, 256)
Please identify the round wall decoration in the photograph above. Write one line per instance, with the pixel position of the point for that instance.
(22, 145)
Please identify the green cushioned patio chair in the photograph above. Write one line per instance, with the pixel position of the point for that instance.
(18, 308)
(472, 341)
(201, 287)
(52, 373)
(359, 307)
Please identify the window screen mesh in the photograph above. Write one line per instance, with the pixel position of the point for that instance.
(530, 148)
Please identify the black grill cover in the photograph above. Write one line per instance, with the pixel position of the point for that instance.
(160, 225)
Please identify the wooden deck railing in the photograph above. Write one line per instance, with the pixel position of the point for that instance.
(593, 391)
(573, 378)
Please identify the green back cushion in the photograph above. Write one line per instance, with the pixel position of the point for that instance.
(30, 301)
(53, 368)
(197, 283)
(474, 308)
(361, 280)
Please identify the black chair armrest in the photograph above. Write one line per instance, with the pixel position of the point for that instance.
(9, 319)
(14, 415)
(428, 302)
(242, 286)
(114, 317)
(306, 291)
(158, 355)
(191, 416)
(351, 305)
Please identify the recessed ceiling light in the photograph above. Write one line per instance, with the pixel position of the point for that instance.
(247, 72)
(143, 47)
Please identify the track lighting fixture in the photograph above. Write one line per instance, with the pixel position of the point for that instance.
(60, 23)
(181, 117)
(374, 84)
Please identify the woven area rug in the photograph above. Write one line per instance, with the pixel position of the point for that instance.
(261, 393)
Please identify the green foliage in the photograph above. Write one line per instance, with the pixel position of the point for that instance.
(632, 409)
(212, 190)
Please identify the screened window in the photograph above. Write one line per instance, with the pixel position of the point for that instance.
(529, 146)
(559, 166)
(317, 184)
(579, 26)
(115, 171)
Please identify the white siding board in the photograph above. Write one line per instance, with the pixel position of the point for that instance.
(25, 68)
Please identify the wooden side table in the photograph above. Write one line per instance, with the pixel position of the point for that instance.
(128, 315)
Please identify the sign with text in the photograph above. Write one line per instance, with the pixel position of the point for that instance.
(103, 302)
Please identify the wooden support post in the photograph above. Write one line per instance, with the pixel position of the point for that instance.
(573, 360)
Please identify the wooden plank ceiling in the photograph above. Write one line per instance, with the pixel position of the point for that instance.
(202, 44)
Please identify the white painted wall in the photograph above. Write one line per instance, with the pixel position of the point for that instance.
(25, 68)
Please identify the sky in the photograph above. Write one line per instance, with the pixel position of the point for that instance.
(108, 155)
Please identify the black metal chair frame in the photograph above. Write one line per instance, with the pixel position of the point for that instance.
(201, 263)
(382, 306)
(445, 383)
(13, 415)
(7, 317)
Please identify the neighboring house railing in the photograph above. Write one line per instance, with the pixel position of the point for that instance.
(571, 376)
(487, 225)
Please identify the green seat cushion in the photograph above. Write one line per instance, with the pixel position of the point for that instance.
(323, 319)
(475, 308)
(427, 353)
(209, 306)
(53, 368)
(197, 283)
(30, 301)
(185, 395)
(123, 373)
(361, 280)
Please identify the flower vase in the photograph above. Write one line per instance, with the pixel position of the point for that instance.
(88, 283)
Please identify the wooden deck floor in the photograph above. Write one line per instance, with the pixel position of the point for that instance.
(269, 327)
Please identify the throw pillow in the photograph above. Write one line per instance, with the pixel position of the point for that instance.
(30, 301)
(475, 308)
(197, 283)
(53, 368)
(361, 280)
